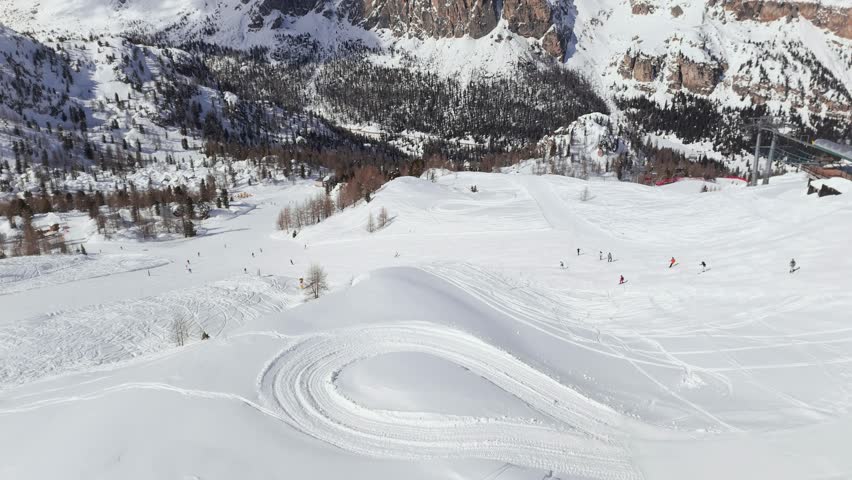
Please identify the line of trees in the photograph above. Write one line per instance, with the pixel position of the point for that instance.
(309, 212)
(152, 211)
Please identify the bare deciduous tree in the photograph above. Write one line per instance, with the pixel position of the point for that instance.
(383, 217)
(317, 280)
(371, 224)
(283, 221)
(180, 331)
(585, 195)
(30, 237)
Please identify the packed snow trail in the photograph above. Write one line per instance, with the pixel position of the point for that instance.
(300, 384)
(552, 207)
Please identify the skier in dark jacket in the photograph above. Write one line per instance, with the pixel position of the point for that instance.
(792, 265)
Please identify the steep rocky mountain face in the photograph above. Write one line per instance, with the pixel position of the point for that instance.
(697, 72)
(535, 19)
(539, 20)
(789, 56)
(811, 26)
(836, 19)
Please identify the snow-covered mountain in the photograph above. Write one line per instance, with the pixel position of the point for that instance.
(735, 52)
(235, 71)
(790, 55)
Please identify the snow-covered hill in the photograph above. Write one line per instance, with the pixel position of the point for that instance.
(453, 344)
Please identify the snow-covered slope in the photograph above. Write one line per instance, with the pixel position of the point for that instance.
(453, 345)
(37, 84)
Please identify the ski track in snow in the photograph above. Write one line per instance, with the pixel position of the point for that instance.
(299, 384)
(557, 314)
(546, 315)
(75, 340)
(26, 273)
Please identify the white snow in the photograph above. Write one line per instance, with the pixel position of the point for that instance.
(25, 273)
(471, 354)
(842, 185)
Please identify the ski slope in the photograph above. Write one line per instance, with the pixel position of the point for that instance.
(27, 273)
(452, 345)
(101, 335)
(297, 385)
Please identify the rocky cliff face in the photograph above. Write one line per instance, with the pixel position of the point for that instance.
(683, 73)
(424, 18)
(697, 77)
(837, 20)
(534, 19)
(707, 52)
(457, 18)
(640, 67)
(642, 7)
(528, 18)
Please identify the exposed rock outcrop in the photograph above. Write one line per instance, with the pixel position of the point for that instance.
(834, 19)
(642, 7)
(424, 18)
(553, 44)
(640, 67)
(529, 18)
(697, 77)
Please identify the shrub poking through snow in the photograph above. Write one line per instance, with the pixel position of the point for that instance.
(317, 281)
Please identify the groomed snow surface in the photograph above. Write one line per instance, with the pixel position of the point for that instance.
(452, 345)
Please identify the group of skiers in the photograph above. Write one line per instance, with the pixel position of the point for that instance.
(188, 267)
(672, 263)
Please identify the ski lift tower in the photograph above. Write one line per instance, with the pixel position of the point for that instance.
(775, 127)
(792, 150)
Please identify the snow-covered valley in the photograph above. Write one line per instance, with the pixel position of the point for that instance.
(476, 335)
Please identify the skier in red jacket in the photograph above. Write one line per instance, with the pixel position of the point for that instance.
(673, 261)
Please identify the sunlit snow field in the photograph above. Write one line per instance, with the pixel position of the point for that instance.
(452, 343)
